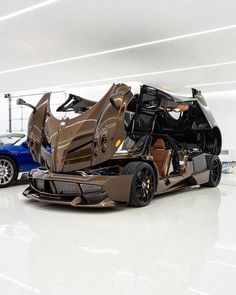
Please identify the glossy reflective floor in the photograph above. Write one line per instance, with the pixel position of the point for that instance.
(183, 243)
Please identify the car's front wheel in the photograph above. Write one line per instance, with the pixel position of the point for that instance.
(143, 185)
(8, 171)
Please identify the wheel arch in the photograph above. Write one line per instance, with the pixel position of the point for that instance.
(218, 136)
(150, 162)
(154, 167)
(212, 141)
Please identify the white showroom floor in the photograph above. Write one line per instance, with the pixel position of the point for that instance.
(182, 243)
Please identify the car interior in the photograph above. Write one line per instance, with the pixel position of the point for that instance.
(161, 156)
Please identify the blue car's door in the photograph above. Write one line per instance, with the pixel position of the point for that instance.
(25, 161)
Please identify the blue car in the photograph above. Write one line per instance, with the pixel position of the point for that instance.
(15, 158)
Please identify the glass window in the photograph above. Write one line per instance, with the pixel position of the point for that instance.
(129, 145)
(10, 139)
(143, 122)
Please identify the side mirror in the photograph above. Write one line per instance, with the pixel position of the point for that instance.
(21, 101)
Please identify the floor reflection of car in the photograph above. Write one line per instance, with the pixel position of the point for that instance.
(15, 158)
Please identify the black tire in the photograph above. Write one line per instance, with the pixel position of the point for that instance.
(8, 171)
(143, 185)
(215, 167)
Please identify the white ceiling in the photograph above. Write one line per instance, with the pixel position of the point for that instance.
(70, 28)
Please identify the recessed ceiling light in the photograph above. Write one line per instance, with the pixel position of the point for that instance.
(28, 9)
(149, 74)
(198, 292)
(210, 84)
(17, 282)
(74, 58)
(127, 77)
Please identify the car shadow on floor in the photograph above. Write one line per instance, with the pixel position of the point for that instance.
(20, 182)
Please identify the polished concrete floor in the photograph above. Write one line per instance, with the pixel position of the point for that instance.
(182, 243)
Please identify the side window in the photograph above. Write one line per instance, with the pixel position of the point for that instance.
(143, 122)
(126, 145)
(149, 101)
(128, 118)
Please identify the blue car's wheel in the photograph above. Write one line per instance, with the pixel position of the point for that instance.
(8, 171)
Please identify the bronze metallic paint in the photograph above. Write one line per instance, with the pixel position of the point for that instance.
(81, 142)
(116, 188)
(92, 138)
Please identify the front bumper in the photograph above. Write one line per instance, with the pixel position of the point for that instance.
(79, 191)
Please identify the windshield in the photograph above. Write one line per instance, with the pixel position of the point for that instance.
(10, 139)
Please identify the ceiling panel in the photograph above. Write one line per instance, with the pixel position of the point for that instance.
(176, 82)
(202, 50)
(70, 28)
(8, 7)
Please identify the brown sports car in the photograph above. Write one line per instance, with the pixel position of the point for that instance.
(123, 149)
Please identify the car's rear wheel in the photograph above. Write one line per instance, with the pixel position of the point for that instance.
(143, 185)
(8, 171)
(215, 168)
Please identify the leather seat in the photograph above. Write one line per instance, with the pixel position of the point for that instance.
(161, 156)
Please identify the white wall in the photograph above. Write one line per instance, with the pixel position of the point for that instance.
(223, 107)
(18, 112)
(3, 115)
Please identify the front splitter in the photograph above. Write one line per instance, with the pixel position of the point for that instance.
(106, 203)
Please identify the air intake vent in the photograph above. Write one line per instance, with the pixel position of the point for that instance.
(66, 187)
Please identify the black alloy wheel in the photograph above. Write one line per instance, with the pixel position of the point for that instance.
(143, 185)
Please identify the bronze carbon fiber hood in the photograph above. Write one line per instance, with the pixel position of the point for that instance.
(91, 138)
